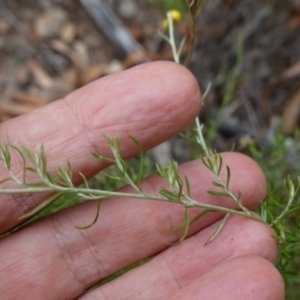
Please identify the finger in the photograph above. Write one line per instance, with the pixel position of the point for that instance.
(152, 102)
(181, 266)
(247, 278)
(126, 232)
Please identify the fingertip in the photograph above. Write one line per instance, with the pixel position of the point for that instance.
(245, 277)
(172, 87)
(248, 174)
(180, 80)
(264, 275)
(157, 99)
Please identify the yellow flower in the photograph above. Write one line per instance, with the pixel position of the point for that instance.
(175, 16)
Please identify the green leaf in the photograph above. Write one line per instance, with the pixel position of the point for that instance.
(6, 154)
(5, 180)
(142, 159)
(195, 219)
(85, 182)
(228, 176)
(43, 159)
(217, 184)
(240, 195)
(161, 171)
(95, 220)
(120, 163)
(169, 195)
(219, 163)
(219, 229)
(34, 184)
(208, 163)
(188, 186)
(204, 162)
(30, 169)
(206, 92)
(23, 160)
(103, 158)
(113, 177)
(30, 155)
(186, 225)
(40, 207)
(70, 170)
(172, 174)
(65, 177)
(219, 194)
(50, 177)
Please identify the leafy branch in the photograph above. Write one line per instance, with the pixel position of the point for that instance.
(36, 177)
(178, 190)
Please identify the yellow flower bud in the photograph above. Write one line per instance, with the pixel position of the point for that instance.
(165, 24)
(175, 14)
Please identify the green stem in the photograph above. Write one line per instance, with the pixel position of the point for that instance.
(200, 138)
(93, 194)
(172, 39)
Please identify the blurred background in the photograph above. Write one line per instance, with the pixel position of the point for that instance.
(248, 50)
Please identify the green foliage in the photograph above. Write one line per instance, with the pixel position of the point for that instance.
(177, 189)
(172, 4)
(280, 163)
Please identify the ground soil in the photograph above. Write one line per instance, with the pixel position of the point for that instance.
(248, 50)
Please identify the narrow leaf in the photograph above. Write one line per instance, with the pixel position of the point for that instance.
(23, 160)
(195, 219)
(34, 184)
(228, 176)
(6, 154)
(5, 180)
(240, 195)
(85, 182)
(161, 171)
(188, 186)
(30, 155)
(186, 226)
(50, 177)
(219, 194)
(70, 170)
(43, 159)
(30, 169)
(96, 217)
(65, 177)
(217, 184)
(103, 158)
(169, 195)
(210, 163)
(199, 216)
(205, 163)
(142, 159)
(40, 207)
(113, 177)
(220, 164)
(219, 229)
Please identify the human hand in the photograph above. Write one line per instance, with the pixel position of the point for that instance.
(51, 259)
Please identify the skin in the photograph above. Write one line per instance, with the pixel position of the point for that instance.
(51, 259)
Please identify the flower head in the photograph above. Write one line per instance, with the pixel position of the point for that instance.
(175, 16)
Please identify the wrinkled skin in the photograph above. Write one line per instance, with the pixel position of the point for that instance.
(51, 259)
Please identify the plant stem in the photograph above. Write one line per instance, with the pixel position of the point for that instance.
(172, 39)
(91, 194)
